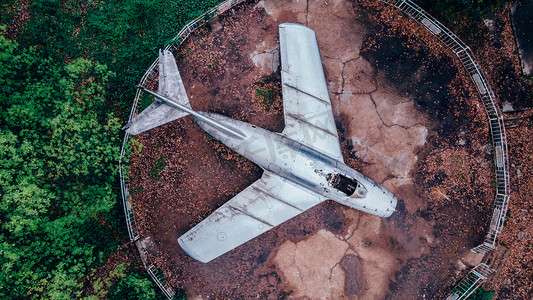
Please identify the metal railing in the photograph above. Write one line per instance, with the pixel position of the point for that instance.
(148, 76)
(159, 279)
(471, 282)
(496, 124)
(182, 35)
(125, 193)
(476, 277)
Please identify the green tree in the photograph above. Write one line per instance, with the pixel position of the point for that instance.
(64, 81)
(58, 152)
(123, 35)
(482, 294)
(136, 286)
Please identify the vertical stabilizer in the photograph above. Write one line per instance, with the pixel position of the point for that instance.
(170, 86)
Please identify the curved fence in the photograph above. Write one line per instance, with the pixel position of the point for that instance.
(148, 76)
(499, 140)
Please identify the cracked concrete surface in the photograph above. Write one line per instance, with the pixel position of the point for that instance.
(312, 266)
(267, 60)
(386, 131)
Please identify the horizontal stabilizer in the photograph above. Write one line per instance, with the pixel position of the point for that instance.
(170, 86)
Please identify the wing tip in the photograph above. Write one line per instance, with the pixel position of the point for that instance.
(294, 26)
(190, 252)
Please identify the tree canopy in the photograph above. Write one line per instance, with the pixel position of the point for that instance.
(58, 150)
(67, 78)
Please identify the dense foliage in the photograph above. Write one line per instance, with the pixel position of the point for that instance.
(58, 150)
(67, 78)
(482, 294)
(135, 286)
(124, 35)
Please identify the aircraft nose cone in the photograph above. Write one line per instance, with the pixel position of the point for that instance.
(392, 205)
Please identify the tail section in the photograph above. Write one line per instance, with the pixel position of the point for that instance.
(170, 83)
(170, 86)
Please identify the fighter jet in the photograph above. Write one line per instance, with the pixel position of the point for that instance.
(303, 165)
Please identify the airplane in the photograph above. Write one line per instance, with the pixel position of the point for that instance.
(303, 165)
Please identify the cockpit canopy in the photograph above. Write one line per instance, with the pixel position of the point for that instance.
(349, 186)
(342, 183)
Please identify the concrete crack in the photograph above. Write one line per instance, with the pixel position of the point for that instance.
(350, 247)
(375, 79)
(335, 265)
(396, 125)
(377, 112)
(342, 73)
(401, 126)
(339, 17)
(349, 235)
(299, 270)
(390, 125)
(353, 93)
(306, 12)
(342, 76)
(405, 127)
(351, 59)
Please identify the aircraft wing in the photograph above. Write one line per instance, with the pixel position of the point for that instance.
(263, 205)
(170, 86)
(308, 114)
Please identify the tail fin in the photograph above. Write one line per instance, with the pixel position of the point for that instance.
(170, 86)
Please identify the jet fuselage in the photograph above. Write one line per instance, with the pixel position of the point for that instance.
(302, 165)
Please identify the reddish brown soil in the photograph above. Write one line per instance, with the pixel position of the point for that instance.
(514, 279)
(516, 273)
(20, 18)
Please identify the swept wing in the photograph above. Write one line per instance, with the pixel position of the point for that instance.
(307, 107)
(273, 200)
(263, 205)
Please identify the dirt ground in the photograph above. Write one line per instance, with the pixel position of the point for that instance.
(408, 117)
(514, 279)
